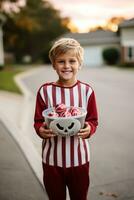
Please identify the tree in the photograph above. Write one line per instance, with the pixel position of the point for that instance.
(31, 31)
(111, 24)
(69, 24)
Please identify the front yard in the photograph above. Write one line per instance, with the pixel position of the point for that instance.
(7, 80)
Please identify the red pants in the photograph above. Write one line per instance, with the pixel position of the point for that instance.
(75, 178)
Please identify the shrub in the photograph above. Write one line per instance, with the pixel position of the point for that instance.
(111, 55)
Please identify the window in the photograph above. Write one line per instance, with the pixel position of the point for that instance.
(129, 54)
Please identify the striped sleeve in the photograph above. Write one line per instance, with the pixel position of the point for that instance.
(92, 114)
(40, 106)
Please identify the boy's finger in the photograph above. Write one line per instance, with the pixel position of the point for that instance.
(44, 124)
(84, 130)
(48, 131)
(49, 135)
(85, 135)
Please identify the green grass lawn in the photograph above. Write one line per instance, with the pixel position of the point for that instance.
(7, 80)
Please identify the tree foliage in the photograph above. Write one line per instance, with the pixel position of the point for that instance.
(31, 31)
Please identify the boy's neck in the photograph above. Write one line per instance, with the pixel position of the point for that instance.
(66, 83)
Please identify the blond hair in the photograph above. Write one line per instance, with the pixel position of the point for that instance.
(64, 45)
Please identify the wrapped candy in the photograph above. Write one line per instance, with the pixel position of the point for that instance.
(65, 114)
(62, 111)
(60, 108)
(53, 114)
(74, 111)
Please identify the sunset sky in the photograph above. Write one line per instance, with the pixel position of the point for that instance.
(87, 13)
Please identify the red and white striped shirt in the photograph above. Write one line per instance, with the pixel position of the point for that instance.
(71, 150)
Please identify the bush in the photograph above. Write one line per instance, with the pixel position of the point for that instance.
(1, 67)
(111, 55)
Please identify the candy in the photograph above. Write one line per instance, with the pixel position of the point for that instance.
(60, 108)
(65, 114)
(74, 111)
(62, 111)
(53, 114)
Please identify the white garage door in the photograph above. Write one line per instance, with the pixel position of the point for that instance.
(93, 56)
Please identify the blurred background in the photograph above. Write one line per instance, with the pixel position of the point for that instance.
(28, 28)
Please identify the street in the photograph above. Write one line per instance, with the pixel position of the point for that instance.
(112, 159)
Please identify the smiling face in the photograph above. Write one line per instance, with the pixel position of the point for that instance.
(67, 66)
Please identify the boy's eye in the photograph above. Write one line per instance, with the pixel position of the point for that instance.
(60, 61)
(72, 61)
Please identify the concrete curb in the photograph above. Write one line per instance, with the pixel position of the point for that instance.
(19, 132)
(26, 146)
(18, 79)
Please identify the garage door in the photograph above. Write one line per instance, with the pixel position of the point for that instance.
(93, 56)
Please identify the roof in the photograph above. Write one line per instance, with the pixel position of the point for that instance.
(96, 37)
(127, 23)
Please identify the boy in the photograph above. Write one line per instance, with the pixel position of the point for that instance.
(66, 159)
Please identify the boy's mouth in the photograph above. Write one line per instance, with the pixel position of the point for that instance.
(67, 71)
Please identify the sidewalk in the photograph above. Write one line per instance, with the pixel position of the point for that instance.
(17, 180)
(13, 134)
(10, 106)
(12, 116)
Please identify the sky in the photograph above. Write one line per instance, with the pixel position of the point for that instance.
(88, 13)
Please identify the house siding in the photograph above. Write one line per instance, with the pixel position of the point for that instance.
(93, 54)
(127, 36)
(127, 43)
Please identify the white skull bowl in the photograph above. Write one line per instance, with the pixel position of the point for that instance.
(65, 126)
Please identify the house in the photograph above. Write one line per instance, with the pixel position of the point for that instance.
(126, 30)
(95, 42)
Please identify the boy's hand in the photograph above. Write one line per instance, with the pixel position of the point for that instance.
(45, 133)
(85, 132)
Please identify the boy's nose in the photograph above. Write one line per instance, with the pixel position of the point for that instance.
(67, 64)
